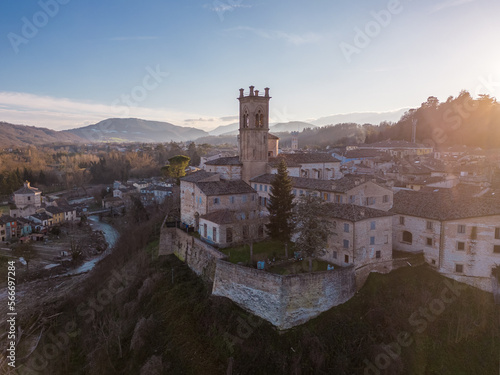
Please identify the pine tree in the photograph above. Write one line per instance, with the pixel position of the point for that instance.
(281, 223)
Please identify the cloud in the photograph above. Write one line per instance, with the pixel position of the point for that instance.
(127, 38)
(199, 120)
(220, 7)
(62, 113)
(290, 38)
(229, 118)
(449, 4)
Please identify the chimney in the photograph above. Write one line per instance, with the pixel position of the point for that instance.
(256, 92)
(266, 92)
(26, 184)
(251, 90)
(241, 93)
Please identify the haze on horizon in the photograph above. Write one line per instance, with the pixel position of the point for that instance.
(67, 64)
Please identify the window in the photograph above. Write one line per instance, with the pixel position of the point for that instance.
(205, 230)
(378, 254)
(231, 200)
(352, 199)
(260, 187)
(372, 240)
(401, 220)
(29, 198)
(229, 235)
(373, 225)
(429, 225)
(497, 233)
(386, 238)
(214, 233)
(346, 258)
(346, 244)
(265, 187)
(459, 268)
(346, 227)
(460, 246)
(294, 192)
(302, 192)
(370, 201)
(461, 229)
(326, 197)
(385, 199)
(334, 254)
(496, 249)
(429, 241)
(434, 261)
(255, 186)
(244, 198)
(473, 233)
(407, 237)
(200, 200)
(216, 200)
(245, 232)
(338, 198)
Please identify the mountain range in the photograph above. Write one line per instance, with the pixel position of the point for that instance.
(137, 130)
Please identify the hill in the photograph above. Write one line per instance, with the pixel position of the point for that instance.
(136, 130)
(361, 118)
(292, 126)
(225, 129)
(21, 135)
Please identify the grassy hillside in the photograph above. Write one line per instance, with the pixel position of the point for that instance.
(21, 135)
(165, 321)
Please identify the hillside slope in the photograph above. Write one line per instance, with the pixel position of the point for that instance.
(21, 135)
(136, 130)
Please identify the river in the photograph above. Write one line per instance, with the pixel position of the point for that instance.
(110, 234)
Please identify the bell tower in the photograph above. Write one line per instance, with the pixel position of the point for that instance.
(254, 129)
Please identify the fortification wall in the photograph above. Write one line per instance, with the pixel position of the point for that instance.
(198, 255)
(284, 301)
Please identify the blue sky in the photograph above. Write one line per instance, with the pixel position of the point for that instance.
(68, 63)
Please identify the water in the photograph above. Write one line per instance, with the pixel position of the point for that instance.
(110, 234)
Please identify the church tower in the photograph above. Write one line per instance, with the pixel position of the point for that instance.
(254, 129)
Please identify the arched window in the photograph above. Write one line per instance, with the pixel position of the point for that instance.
(407, 237)
(246, 120)
(259, 119)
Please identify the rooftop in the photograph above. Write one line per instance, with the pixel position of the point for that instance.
(27, 189)
(338, 186)
(353, 212)
(443, 205)
(393, 144)
(231, 160)
(308, 157)
(210, 188)
(198, 176)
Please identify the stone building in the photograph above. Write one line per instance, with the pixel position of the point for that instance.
(318, 166)
(27, 199)
(459, 236)
(359, 190)
(360, 236)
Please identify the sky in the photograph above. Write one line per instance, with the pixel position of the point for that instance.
(70, 63)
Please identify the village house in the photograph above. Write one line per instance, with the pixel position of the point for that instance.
(42, 221)
(27, 200)
(458, 235)
(357, 190)
(399, 149)
(8, 226)
(314, 165)
(360, 236)
(56, 213)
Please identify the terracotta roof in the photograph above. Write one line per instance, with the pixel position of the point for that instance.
(364, 153)
(231, 160)
(338, 186)
(220, 217)
(272, 136)
(353, 212)
(274, 162)
(393, 144)
(198, 176)
(210, 188)
(54, 210)
(443, 205)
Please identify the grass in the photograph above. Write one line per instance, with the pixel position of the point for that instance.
(261, 251)
(4, 210)
(294, 267)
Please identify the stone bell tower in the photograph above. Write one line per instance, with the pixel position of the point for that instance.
(254, 128)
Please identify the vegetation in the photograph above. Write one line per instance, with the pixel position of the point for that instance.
(177, 166)
(261, 251)
(312, 233)
(281, 223)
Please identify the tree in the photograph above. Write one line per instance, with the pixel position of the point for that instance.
(177, 166)
(312, 231)
(281, 205)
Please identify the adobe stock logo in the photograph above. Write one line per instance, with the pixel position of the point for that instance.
(30, 27)
(363, 37)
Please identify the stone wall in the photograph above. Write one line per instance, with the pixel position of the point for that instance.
(198, 255)
(284, 301)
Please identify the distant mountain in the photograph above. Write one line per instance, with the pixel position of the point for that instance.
(374, 118)
(21, 135)
(291, 126)
(224, 129)
(136, 130)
